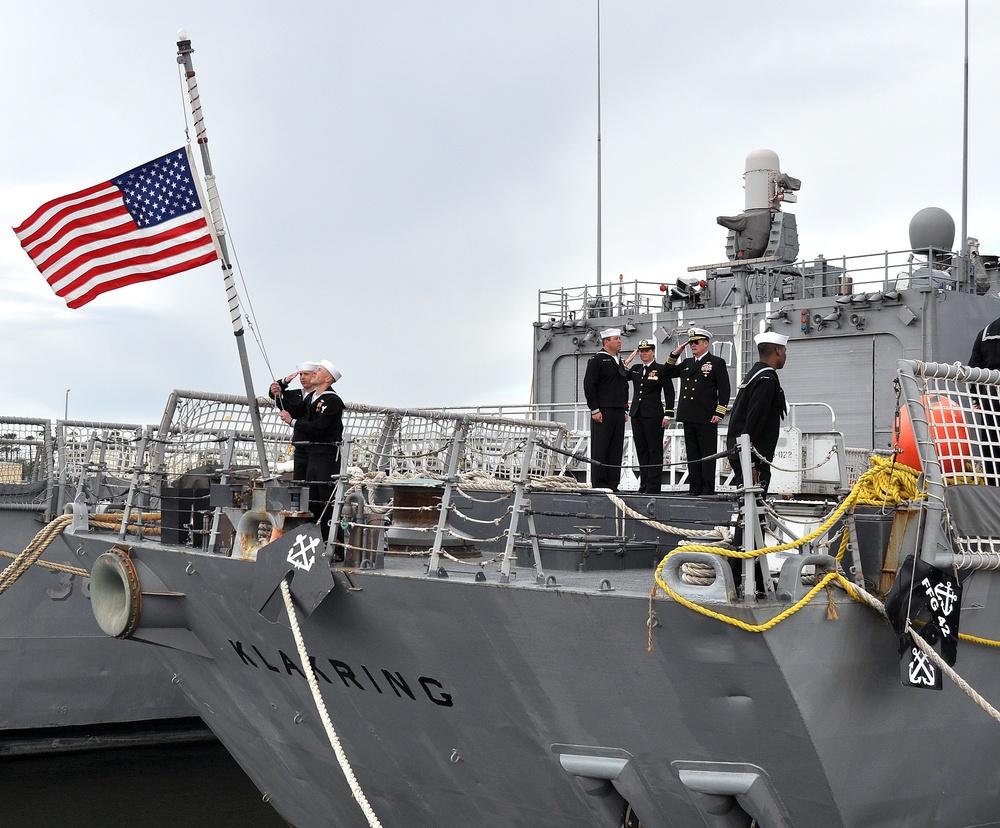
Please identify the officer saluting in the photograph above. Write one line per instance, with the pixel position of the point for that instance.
(702, 404)
(650, 386)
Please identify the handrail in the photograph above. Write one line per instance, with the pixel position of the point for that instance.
(792, 407)
(869, 273)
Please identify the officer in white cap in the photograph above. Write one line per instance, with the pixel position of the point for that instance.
(605, 387)
(759, 407)
(320, 430)
(703, 401)
(331, 369)
(652, 397)
(757, 411)
(295, 402)
(279, 391)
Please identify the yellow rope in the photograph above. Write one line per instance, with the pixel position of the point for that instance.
(736, 622)
(975, 639)
(885, 482)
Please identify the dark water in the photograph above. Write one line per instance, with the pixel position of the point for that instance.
(174, 786)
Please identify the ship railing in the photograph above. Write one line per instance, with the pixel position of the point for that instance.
(96, 460)
(864, 279)
(950, 429)
(198, 428)
(414, 441)
(406, 442)
(822, 464)
(206, 438)
(575, 418)
(27, 458)
(44, 466)
(576, 306)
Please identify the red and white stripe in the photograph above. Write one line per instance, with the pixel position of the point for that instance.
(86, 243)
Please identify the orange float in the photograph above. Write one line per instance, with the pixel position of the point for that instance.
(948, 432)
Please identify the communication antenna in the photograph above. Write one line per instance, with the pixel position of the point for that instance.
(599, 146)
(965, 158)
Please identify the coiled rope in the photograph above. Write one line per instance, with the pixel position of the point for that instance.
(331, 733)
(887, 482)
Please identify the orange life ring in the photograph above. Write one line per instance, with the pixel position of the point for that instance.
(948, 431)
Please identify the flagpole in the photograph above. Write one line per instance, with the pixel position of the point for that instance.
(184, 51)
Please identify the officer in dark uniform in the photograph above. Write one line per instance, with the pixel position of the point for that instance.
(757, 411)
(605, 387)
(986, 354)
(650, 386)
(759, 407)
(704, 397)
(321, 427)
(295, 402)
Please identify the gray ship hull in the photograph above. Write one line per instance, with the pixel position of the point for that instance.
(59, 669)
(456, 701)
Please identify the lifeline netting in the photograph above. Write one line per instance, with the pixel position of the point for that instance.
(949, 428)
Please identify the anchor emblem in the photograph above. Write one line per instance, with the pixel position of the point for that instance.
(302, 554)
(941, 596)
(922, 670)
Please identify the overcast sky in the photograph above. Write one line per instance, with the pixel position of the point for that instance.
(400, 179)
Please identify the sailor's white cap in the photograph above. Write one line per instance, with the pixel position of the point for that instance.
(772, 337)
(608, 332)
(698, 333)
(307, 366)
(646, 344)
(325, 363)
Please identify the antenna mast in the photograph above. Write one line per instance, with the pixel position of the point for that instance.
(598, 147)
(965, 274)
(184, 51)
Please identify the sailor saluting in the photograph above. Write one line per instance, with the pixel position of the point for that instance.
(320, 427)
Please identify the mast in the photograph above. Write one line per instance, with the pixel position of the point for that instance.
(598, 147)
(184, 51)
(965, 272)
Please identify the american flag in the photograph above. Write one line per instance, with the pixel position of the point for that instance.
(144, 224)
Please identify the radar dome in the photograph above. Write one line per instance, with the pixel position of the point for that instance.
(761, 159)
(761, 170)
(932, 227)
